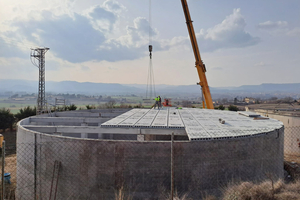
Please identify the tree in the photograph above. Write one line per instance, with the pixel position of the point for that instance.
(90, 107)
(235, 101)
(6, 119)
(72, 107)
(233, 108)
(25, 112)
(110, 104)
(220, 107)
(186, 103)
(287, 100)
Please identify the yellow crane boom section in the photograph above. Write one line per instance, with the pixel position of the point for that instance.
(199, 64)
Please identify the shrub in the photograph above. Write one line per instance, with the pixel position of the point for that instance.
(71, 107)
(110, 104)
(138, 106)
(220, 107)
(6, 119)
(267, 190)
(90, 107)
(25, 112)
(233, 108)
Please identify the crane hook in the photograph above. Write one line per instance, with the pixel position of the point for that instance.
(150, 50)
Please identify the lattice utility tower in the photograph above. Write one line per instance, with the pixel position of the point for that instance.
(38, 54)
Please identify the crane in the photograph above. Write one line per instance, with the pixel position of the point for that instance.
(199, 63)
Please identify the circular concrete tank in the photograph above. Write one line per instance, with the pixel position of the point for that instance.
(99, 152)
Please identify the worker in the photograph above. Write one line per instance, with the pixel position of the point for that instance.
(156, 102)
(159, 102)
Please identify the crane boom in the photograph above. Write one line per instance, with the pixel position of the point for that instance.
(199, 64)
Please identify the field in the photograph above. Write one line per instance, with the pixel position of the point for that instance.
(14, 106)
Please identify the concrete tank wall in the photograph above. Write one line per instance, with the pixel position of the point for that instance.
(291, 133)
(95, 169)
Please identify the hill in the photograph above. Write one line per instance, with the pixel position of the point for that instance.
(7, 85)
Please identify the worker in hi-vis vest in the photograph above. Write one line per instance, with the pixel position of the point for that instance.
(159, 102)
(156, 102)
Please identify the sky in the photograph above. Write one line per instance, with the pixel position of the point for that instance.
(247, 42)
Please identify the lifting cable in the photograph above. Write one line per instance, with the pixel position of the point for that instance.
(150, 92)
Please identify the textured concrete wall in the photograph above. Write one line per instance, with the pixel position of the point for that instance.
(95, 169)
(291, 134)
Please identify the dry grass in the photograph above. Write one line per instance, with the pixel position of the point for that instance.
(121, 195)
(165, 195)
(263, 191)
(292, 158)
(210, 197)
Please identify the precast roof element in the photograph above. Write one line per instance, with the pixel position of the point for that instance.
(200, 124)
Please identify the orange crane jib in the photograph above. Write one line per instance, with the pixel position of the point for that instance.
(199, 64)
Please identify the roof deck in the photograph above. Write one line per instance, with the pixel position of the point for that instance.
(199, 124)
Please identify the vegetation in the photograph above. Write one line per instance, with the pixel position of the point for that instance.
(233, 108)
(25, 112)
(187, 104)
(6, 119)
(72, 107)
(65, 108)
(267, 190)
(121, 195)
(89, 107)
(220, 107)
(110, 104)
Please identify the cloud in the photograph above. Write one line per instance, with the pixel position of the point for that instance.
(294, 32)
(113, 6)
(217, 68)
(134, 44)
(10, 48)
(279, 28)
(269, 25)
(73, 39)
(82, 37)
(78, 38)
(101, 18)
(138, 34)
(230, 33)
(85, 68)
(260, 64)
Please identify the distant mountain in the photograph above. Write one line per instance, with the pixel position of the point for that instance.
(139, 89)
(90, 88)
(263, 88)
(269, 87)
(67, 87)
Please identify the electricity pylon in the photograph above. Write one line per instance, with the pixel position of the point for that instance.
(38, 54)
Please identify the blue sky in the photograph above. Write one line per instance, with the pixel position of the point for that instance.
(241, 42)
